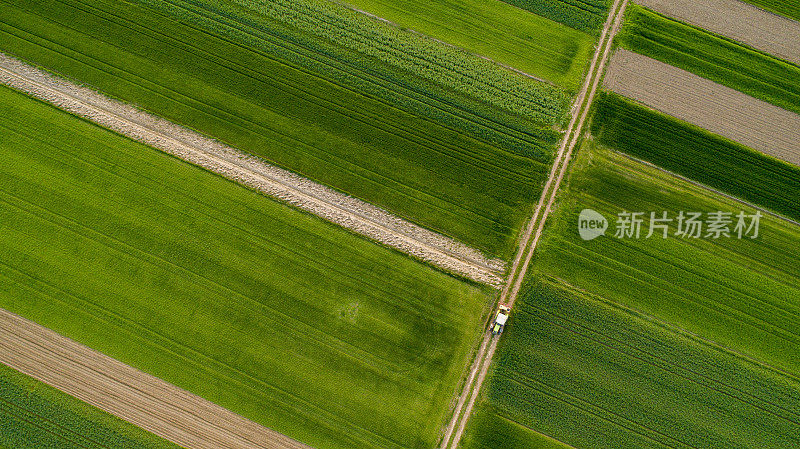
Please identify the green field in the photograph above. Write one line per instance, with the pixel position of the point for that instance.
(270, 312)
(788, 8)
(35, 416)
(741, 294)
(713, 57)
(423, 167)
(594, 375)
(509, 35)
(584, 15)
(697, 154)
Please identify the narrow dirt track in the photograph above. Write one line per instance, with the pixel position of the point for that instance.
(533, 230)
(714, 107)
(137, 397)
(343, 210)
(760, 29)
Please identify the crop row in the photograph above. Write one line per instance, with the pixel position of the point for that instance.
(411, 165)
(789, 9)
(506, 34)
(584, 15)
(697, 154)
(274, 314)
(713, 57)
(35, 416)
(299, 34)
(589, 374)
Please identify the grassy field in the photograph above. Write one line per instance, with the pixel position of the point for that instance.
(698, 154)
(267, 311)
(713, 57)
(35, 416)
(741, 294)
(790, 9)
(410, 156)
(509, 35)
(584, 15)
(592, 374)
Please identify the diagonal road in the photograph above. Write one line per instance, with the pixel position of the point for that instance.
(533, 230)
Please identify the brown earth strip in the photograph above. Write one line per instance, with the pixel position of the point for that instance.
(139, 398)
(530, 238)
(716, 108)
(760, 29)
(343, 210)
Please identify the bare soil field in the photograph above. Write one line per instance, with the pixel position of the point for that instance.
(716, 108)
(351, 213)
(137, 397)
(760, 29)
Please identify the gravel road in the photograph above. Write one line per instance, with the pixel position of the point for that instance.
(343, 210)
(139, 398)
(719, 109)
(760, 29)
(533, 231)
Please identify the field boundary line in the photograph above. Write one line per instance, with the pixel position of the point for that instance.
(529, 239)
(351, 213)
(123, 391)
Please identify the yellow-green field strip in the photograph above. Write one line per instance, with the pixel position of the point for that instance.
(351, 213)
(734, 19)
(137, 397)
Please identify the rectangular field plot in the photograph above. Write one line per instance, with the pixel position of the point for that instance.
(272, 313)
(585, 15)
(594, 375)
(693, 152)
(35, 416)
(739, 293)
(713, 57)
(509, 35)
(459, 156)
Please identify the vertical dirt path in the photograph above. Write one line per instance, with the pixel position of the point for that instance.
(139, 398)
(533, 230)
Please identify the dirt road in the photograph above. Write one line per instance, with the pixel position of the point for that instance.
(533, 230)
(351, 213)
(137, 397)
(714, 107)
(762, 30)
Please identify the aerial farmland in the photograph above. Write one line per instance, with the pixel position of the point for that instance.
(399, 224)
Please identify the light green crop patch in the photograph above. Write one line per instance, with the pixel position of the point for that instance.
(272, 313)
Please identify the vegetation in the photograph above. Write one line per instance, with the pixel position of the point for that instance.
(584, 15)
(490, 430)
(508, 35)
(713, 57)
(272, 313)
(698, 154)
(739, 293)
(35, 416)
(789, 9)
(450, 162)
(593, 374)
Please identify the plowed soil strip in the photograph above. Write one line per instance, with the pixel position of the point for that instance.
(762, 30)
(351, 213)
(130, 394)
(716, 108)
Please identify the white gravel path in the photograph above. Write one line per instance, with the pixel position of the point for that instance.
(760, 29)
(351, 213)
